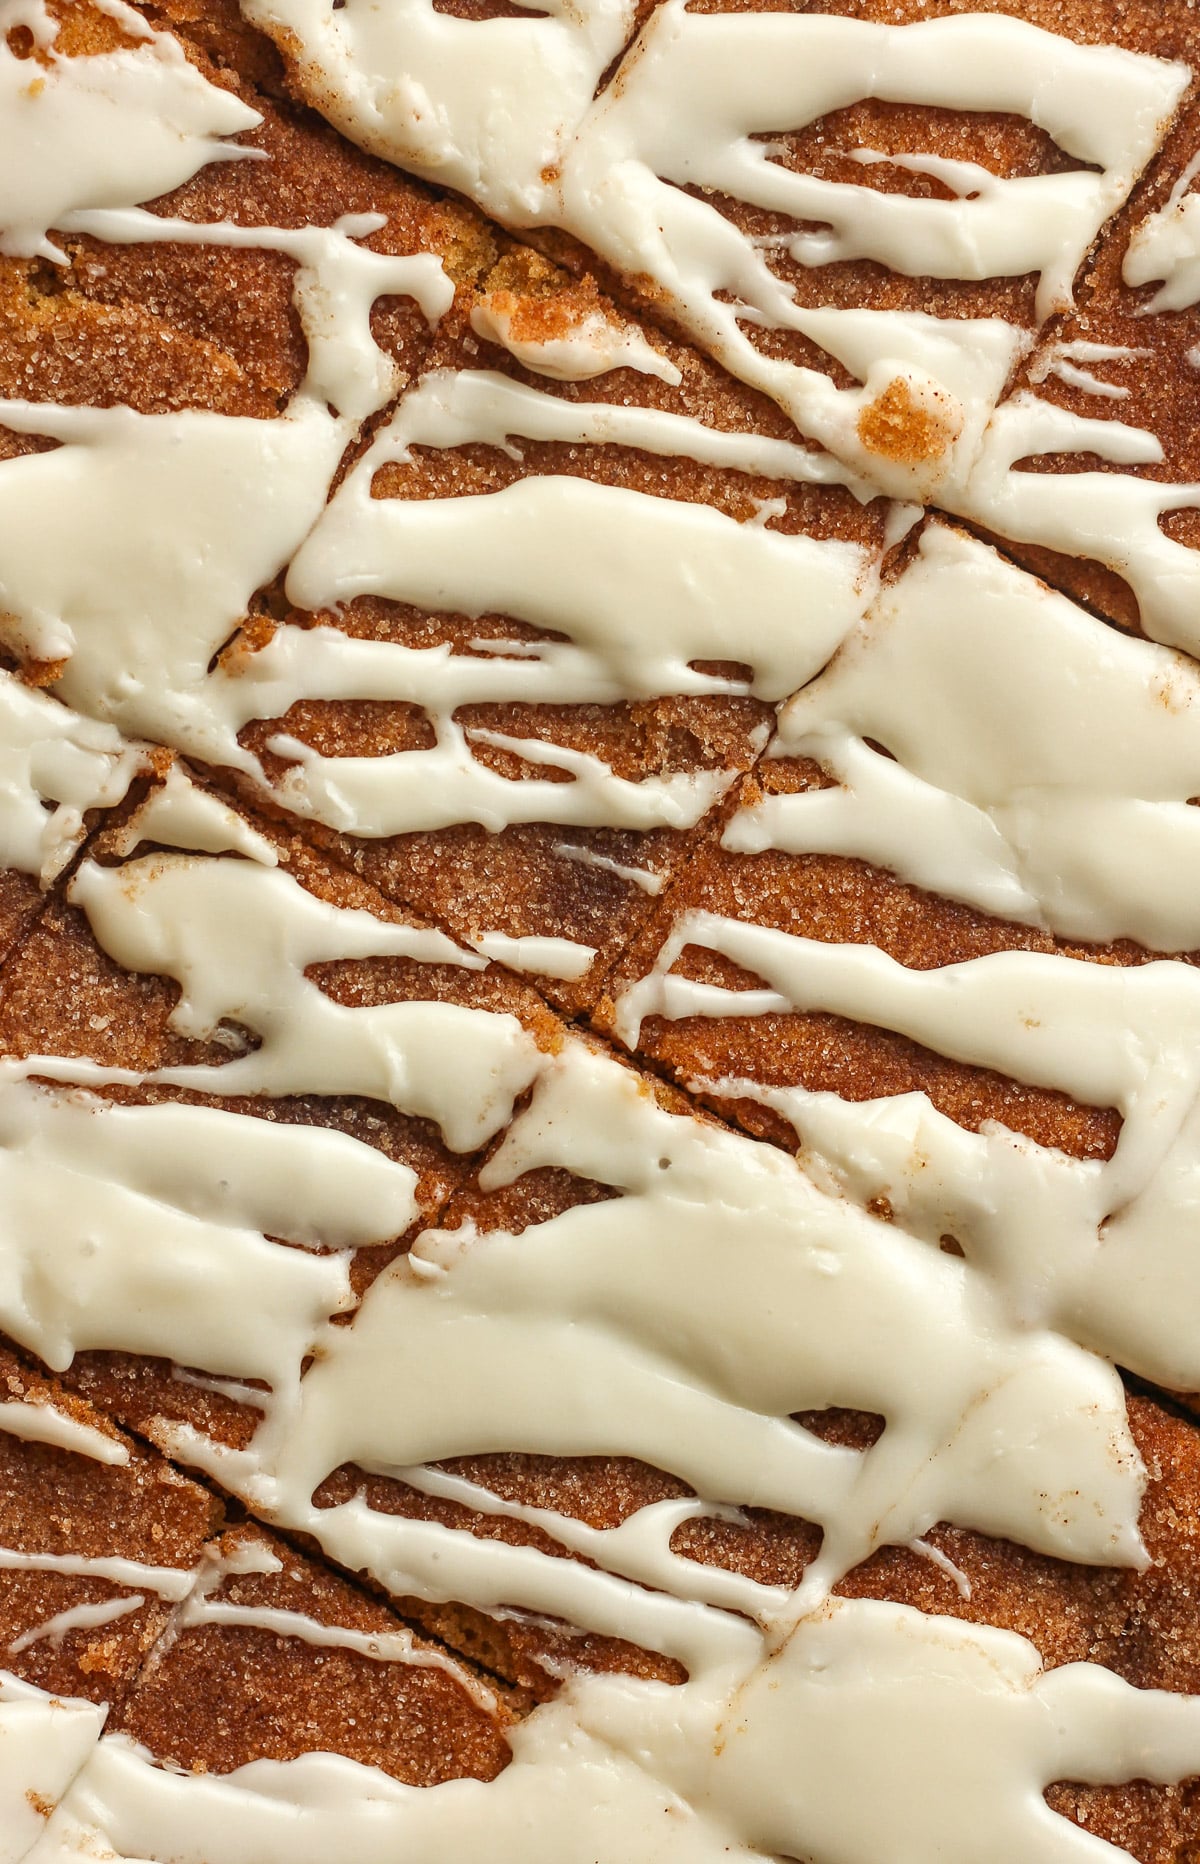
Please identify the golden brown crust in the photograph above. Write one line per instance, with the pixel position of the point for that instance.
(257, 1694)
(54, 1501)
(171, 326)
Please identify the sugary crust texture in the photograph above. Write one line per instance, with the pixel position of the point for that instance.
(518, 881)
(1158, 384)
(1135, 1624)
(171, 326)
(56, 1502)
(262, 1695)
(1009, 146)
(837, 899)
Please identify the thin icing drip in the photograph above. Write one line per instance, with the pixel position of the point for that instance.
(167, 1582)
(199, 1607)
(55, 1631)
(936, 1732)
(181, 815)
(451, 408)
(336, 284)
(1101, 1250)
(35, 1422)
(588, 857)
(1066, 360)
(192, 1593)
(1038, 765)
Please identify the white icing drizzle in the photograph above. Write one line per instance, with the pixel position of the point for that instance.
(100, 132)
(199, 1607)
(689, 99)
(54, 1631)
(450, 408)
(167, 1582)
(195, 1606)
(585, 559)
(1166, 246)
(36, 1422)
(1064, 361)
(335, 286)
(591, 561)
(720, 1419)
(638, 1549)
(1100, 1250)
(1111, 517)
(588, 1112)
(54, 766)
(724, 1287)
(1041, 765)
(189, 476)
(733, 76)
(944, 1564)
(238, 939)
(182, 815)
(949, 1732)
(592, 346)
(485, 106)
(588, 857)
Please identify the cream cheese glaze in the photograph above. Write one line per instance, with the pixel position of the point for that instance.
(588, 1111)
(1033, 762)
(54, 766)
(592, 561)
(696, 99)
(960, 1723)
(725, 1285)
(1117, 1274)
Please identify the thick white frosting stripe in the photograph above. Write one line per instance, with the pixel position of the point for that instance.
(35, 1421)
(692, 95)
(685, 1319)
(872, 1727)
(1040, 765)
(1103, 1251)
(54, 766)
(105, 131)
